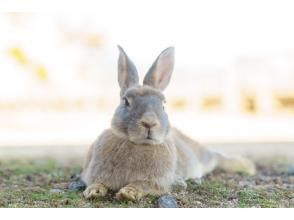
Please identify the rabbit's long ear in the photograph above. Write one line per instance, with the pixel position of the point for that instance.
(127, 72)
(160, 72)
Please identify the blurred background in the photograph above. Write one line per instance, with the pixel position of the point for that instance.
(232, 87)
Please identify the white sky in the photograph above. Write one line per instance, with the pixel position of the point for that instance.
(205, 33)
(202, 40)
(211, 42)
(209, 34)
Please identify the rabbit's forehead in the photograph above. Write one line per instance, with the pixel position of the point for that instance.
(144, 91)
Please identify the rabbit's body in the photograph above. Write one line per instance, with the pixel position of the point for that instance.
(141, 153)
(116, 162)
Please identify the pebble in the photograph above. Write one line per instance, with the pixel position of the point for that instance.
(75, 176)
(166, 201)
(197, 181)
(198, 203)
(29, 178)
(244, 183)
(257, 206)
(278, 180)
(77, 185)
(179, 185)
(56, 191)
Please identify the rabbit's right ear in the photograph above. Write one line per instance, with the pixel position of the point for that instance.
(127, 72)
(160, 72)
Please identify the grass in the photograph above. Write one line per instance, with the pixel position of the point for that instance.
(27, 183)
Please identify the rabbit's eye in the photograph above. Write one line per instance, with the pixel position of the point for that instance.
(126, 102)
(163, 103)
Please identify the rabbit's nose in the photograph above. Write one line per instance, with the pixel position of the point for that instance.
(148, 124)
(149, 120)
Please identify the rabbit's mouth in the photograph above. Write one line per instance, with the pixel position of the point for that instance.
(144, 136)
(149, 140)
(149, 135)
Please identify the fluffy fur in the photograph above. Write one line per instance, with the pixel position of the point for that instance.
(141, 153)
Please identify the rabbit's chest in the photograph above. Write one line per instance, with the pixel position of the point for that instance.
(143, 159)
(128, 163)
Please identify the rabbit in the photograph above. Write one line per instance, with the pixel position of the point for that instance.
(141, 153)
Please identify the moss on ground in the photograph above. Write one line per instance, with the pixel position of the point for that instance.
(27, 183)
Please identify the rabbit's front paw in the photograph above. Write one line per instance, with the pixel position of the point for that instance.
(95, 190)
(129, 193)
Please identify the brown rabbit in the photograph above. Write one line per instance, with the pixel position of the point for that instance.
(141, 153)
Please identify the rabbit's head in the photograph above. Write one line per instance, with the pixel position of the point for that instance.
(141, 117)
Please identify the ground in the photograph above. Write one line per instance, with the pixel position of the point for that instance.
(43, 183)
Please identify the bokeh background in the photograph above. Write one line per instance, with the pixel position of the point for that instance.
(232, 87)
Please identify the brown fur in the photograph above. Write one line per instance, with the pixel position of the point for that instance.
(119, 164)
(141, 154)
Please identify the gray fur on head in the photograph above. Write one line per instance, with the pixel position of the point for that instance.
(141, 117)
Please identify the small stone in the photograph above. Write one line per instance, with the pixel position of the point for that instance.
(29, 178)
(65, 202)
(179, 185)
(244, 183)
(257, 206)
(232, 197)
(77, 185)
(61, 185)
(56, 191)
(197, 181)
(166, 201)
(75, 176)
(291, 169)
(198, 204)
(270, 189)
(278, 180)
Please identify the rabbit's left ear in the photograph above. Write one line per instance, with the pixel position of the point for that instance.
(127, 72)
(160, 72)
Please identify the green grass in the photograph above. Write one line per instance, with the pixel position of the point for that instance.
(263, 199)
(27, 183)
